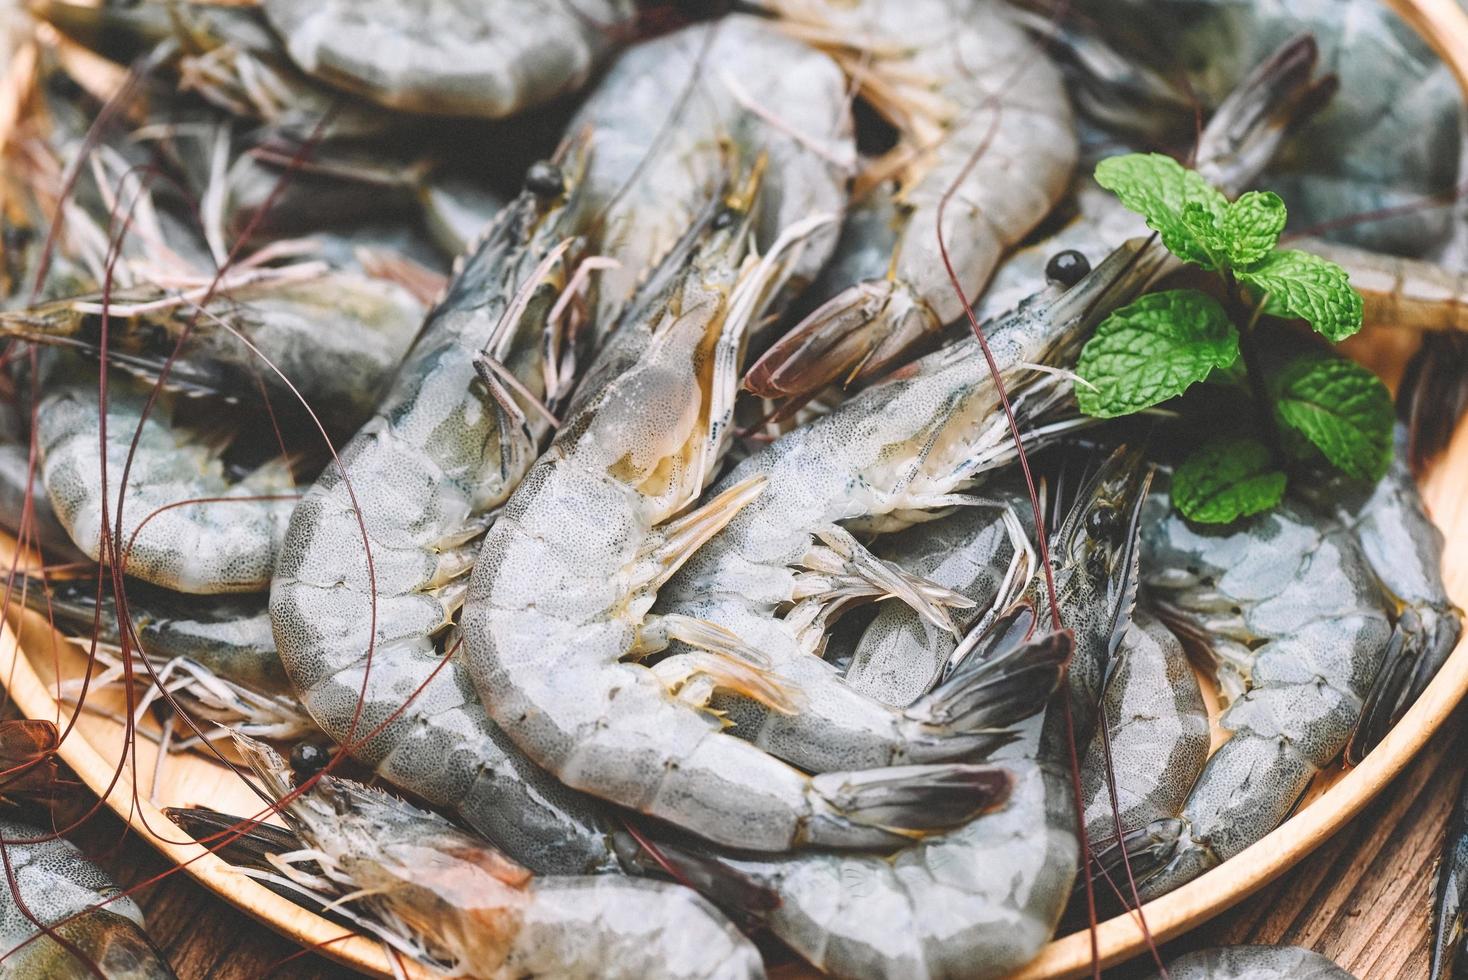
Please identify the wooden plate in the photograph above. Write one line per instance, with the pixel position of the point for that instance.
(32, 656)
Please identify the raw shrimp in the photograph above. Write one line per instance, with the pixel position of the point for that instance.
(1404, 549)
(980, 551)
(227, 54)
(1255, 963)
(226, 542)
(486, 916)
(1157, 728)
(881, 461)
(63, 190)
(1296, 624)
(364, 645)
(660, 124)
(982, 117)
(981, 900)
(560, 593)
(1397, 139)
(335, 336)
(56, 883)
(463, 58)
(229, 634)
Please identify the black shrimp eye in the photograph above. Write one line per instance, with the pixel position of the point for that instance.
(544, 179)
(1103, 522)
(309, 757)
(1067, 268)
(723, 219)
(1096, 564)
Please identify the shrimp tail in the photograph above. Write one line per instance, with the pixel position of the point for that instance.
(1155, 850)
(687, 861)
(1450, 905)
(854, 335)
(910, 801)
(990, 690)
(1274, 100)
(1421, 640)
(115, 943)
(28, 758)
(1433, 396)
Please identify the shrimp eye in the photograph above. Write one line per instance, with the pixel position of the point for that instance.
(1103, 522)
(1067, 268)
(1096, 563)
(723, 219)
(308, 758)
(544, 179)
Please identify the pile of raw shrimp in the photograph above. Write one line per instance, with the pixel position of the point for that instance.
(610, 473)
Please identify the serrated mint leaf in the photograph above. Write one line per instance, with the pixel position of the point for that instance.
(1205, 233)
(1339, 408)
(1308, 287)
(1252, 225)
(1153, 349)
(1158, 188)
(1225, 479)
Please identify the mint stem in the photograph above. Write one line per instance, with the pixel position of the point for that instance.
(1249, 351)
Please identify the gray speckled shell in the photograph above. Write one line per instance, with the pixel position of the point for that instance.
(1159, 732)
(56, 882)
(1299, 625)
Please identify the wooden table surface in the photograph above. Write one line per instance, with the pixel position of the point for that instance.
(1362, 898)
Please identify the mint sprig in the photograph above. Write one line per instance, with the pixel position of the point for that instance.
(1225, 479)
(1316, 407)
(1153, 350)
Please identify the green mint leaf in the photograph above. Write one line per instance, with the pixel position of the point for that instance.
(1339, 408)
(1207, 236)
(1225, 479)
(1252, 225)
(1308, 287)
(1158, 188)
(1153, 349)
